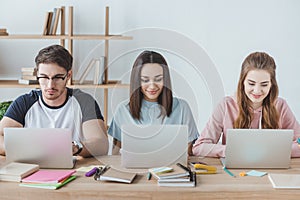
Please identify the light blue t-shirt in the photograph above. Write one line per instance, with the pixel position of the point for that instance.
(150, 114)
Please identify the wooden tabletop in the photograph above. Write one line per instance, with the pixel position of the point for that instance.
(210, 186)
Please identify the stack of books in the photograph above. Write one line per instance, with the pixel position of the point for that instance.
(3, 31)
(28, 76)
(174, 176)
(48, 179)
(16, 171)
(52, 20)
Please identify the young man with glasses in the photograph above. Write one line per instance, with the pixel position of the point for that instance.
(55, 105)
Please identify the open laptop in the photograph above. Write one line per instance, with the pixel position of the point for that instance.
(153, 145)
(47, 147)
(258, 148)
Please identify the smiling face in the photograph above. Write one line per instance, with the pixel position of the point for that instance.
(53, 80)
(152, 81)
(257, 86)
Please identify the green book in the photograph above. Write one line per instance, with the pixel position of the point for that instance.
(52, 186)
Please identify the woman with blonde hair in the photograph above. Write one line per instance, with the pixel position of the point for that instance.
(256, 105)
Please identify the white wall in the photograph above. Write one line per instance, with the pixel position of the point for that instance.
(222, 33)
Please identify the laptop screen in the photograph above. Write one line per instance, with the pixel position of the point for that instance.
(153, 145)
(47, 147)
(258, 148)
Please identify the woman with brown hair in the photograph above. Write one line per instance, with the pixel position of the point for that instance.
(256, 105)
(151, 100)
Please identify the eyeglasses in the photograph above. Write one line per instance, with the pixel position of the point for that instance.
(56, 79)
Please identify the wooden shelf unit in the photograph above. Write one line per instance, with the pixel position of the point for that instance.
(70, 37)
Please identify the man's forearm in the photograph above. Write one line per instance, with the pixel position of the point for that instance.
(95, 147)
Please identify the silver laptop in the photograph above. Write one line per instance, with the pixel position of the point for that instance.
(258, 148)
(153, 145)
(47, 147)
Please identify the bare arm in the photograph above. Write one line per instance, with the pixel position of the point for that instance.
(6, 122)
(116, 147)
(190, 146)
(95, 140)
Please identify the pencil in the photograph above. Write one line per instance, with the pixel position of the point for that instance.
(228, 172)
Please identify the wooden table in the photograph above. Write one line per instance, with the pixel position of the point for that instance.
(213, 186)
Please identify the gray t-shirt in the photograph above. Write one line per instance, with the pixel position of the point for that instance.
(31, 111)
(150, 114)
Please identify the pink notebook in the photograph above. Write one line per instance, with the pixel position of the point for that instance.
(48, 176)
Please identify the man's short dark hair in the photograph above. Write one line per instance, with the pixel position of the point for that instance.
(55, 54)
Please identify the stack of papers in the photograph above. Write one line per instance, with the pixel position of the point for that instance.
(49, 179)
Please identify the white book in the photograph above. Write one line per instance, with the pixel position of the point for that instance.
(99, 71)
(27, 82)
(52, 21)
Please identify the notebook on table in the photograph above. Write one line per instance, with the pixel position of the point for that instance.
(153, 145)
(47, 147)
(258, 148)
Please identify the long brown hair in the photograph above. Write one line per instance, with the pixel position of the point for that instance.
(165, 99)
(270, 116)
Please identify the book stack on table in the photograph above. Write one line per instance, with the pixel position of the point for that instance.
(49, 179)
(174, 176)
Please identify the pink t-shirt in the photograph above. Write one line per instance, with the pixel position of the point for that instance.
(222, 119)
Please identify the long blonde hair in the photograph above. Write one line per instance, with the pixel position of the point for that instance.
(270, 116)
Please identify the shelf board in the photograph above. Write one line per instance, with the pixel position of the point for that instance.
(73, 37)
(25, 37)
(100, 37)
(15, 84)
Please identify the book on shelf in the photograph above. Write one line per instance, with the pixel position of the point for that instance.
(190, 182)
(28, 69)
(27, 82)
(52, 21)
(173, 171)
(52, 186)
(46, 24)
(284, 181)
(115, 175)
(3, 31)
(55, 21)
(98, 66)
(28, 73)
(16, 171)
(28, 77)
(48, 176)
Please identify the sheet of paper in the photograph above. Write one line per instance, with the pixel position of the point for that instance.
(256, 173)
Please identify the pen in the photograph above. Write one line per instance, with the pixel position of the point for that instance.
(149, 175)
(91, 172)
(183, 167)
(228, 172)
(186, 169)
